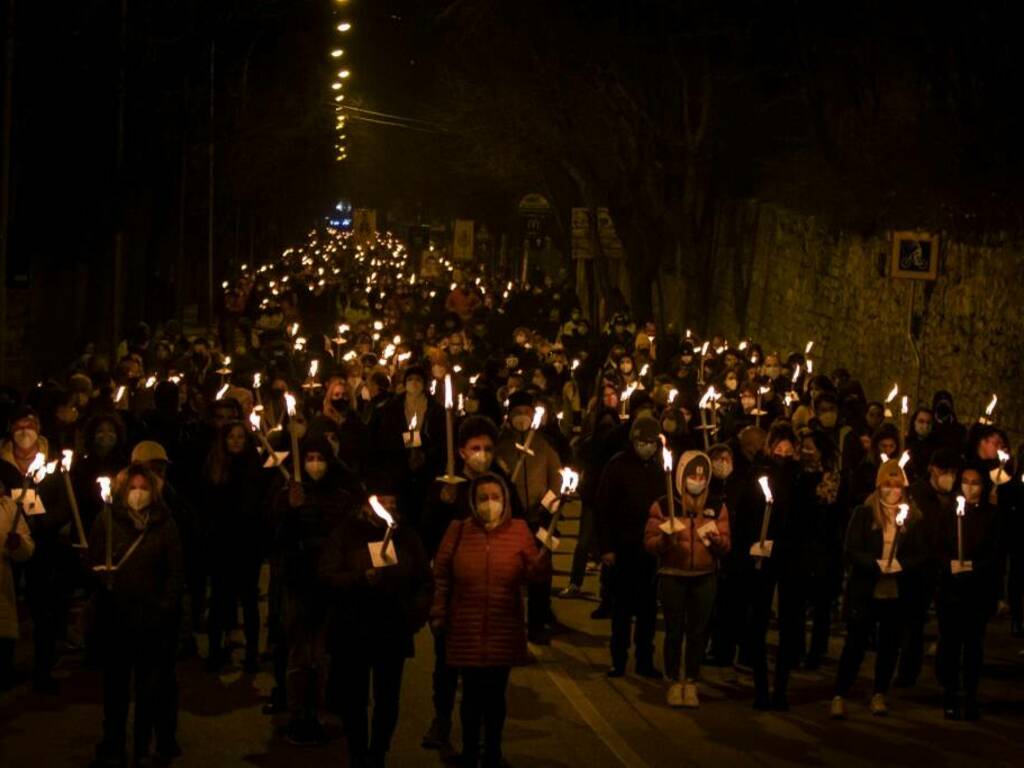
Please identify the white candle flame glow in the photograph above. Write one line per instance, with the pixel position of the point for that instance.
(1003, 456)
(961, 506)
(289, 403)
(538, 416)
(904, 459)
(37, 463)
(666, 455)
(65, 462)
(570, 480)
(765, 489)
(254, 421)
(796, 373)
(628, 392)
(901, 516)
(412, 423)
(257, 381)
(991, 407)
(119, 395)
(672, 395)
(381, 512)
(104, 484)
(448, 391)
(644, 370)
(223, 391)
(809, 347)
(892, 393)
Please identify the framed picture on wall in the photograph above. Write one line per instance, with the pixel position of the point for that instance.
(915, 255)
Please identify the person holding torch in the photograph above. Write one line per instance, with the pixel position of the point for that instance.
(379, 610)
(16, 546)
(886, 549)
(969, 585)
(138, 615)
(688, 545)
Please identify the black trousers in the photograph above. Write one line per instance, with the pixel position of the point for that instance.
(887, 617)
(357, 670)
(125, 653)
(445, 680)
(960, 655)
(912, 641)
(634, 594)
(484, 691)
(727, 621)
(1015, 587)
(761, 591)
(583, 546)
(7, 645)
(235, 583)
(48, 604)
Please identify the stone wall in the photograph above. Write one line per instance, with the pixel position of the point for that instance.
(784, 279)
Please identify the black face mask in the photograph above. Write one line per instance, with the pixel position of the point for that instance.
(199, 358)
(943, 412)
(339, 404)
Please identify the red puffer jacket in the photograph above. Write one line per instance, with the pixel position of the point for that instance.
(686, 552)
(479, 575)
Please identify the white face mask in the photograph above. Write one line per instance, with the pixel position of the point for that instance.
(645, 450)
(479, 461)
(891, 496)
(945, 483)
(316, 469)
(414, 387)
(521, 423)
(721, 469)
(695, 487)
(490, 511)
(138, 499)
(26, 438)
(748, 403)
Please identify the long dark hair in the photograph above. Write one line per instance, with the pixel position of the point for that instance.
(218, 461)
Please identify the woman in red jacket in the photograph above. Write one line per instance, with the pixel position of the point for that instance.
(479, 572)
(687, 568)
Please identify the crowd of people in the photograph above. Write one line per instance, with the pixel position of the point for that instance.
(391, 445)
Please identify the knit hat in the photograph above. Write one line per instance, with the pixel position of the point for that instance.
(645, 430)
(719, 448)
(890, 470)
(519, 399)
(752, 440)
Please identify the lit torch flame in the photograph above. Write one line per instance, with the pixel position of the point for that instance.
(448, 402)
(538, 416)
(991, 407)
(809, 347)
(223, 391)
(570, 480)
(961, 506)
(1003, 456)
(104, 484)
(666, 455)
(119, 395)
(257, 381)
(381, 512)
(904, 459)
(412, 423)
(254, 421)
(314, 366)
(37, 463)
(892, 393)
(765, 489)
(901, 516)
(65, 463)
(628, 392)
(905, 406)
(672, 395)
(289, 403)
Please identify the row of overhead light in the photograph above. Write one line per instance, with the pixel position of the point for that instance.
(341, 26)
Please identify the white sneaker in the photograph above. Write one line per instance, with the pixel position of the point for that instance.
(690, 696)
(838, 709)
(570, 592)
(674, 695)
(878, 706)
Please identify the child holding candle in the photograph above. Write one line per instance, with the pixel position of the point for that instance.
(967, 595)
(687, 572)
(880, 595)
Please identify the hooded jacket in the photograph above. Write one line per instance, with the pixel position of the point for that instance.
(686, 552)
(538, 475)
(479, 575)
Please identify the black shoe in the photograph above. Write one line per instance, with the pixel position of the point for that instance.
(649, 671)
(616, 672)
(46, 686)
(971, 711)
(438, 736)
(539, 637)
(601, 612)
(169, 751)
(951, 705)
